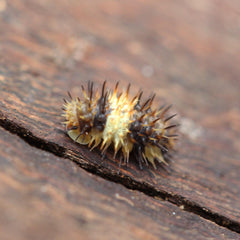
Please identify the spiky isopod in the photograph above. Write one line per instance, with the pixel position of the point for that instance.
(114, 119)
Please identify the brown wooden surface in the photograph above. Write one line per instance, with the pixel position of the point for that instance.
(187, 53)
(47, 197)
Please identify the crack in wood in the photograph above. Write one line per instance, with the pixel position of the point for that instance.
(126, 181)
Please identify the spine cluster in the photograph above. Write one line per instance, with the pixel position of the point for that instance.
(131, 127)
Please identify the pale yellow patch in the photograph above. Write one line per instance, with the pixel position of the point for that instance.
(117, 125)
(83, 139)
(153, 153)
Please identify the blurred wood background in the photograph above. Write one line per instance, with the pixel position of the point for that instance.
(187, 52)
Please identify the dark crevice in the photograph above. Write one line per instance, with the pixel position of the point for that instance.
(28, 137)
(129, 183)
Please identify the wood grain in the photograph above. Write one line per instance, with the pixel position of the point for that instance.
(47, 197)
(187, 53)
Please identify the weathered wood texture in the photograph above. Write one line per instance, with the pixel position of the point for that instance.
(186, 52)
(47, 197)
